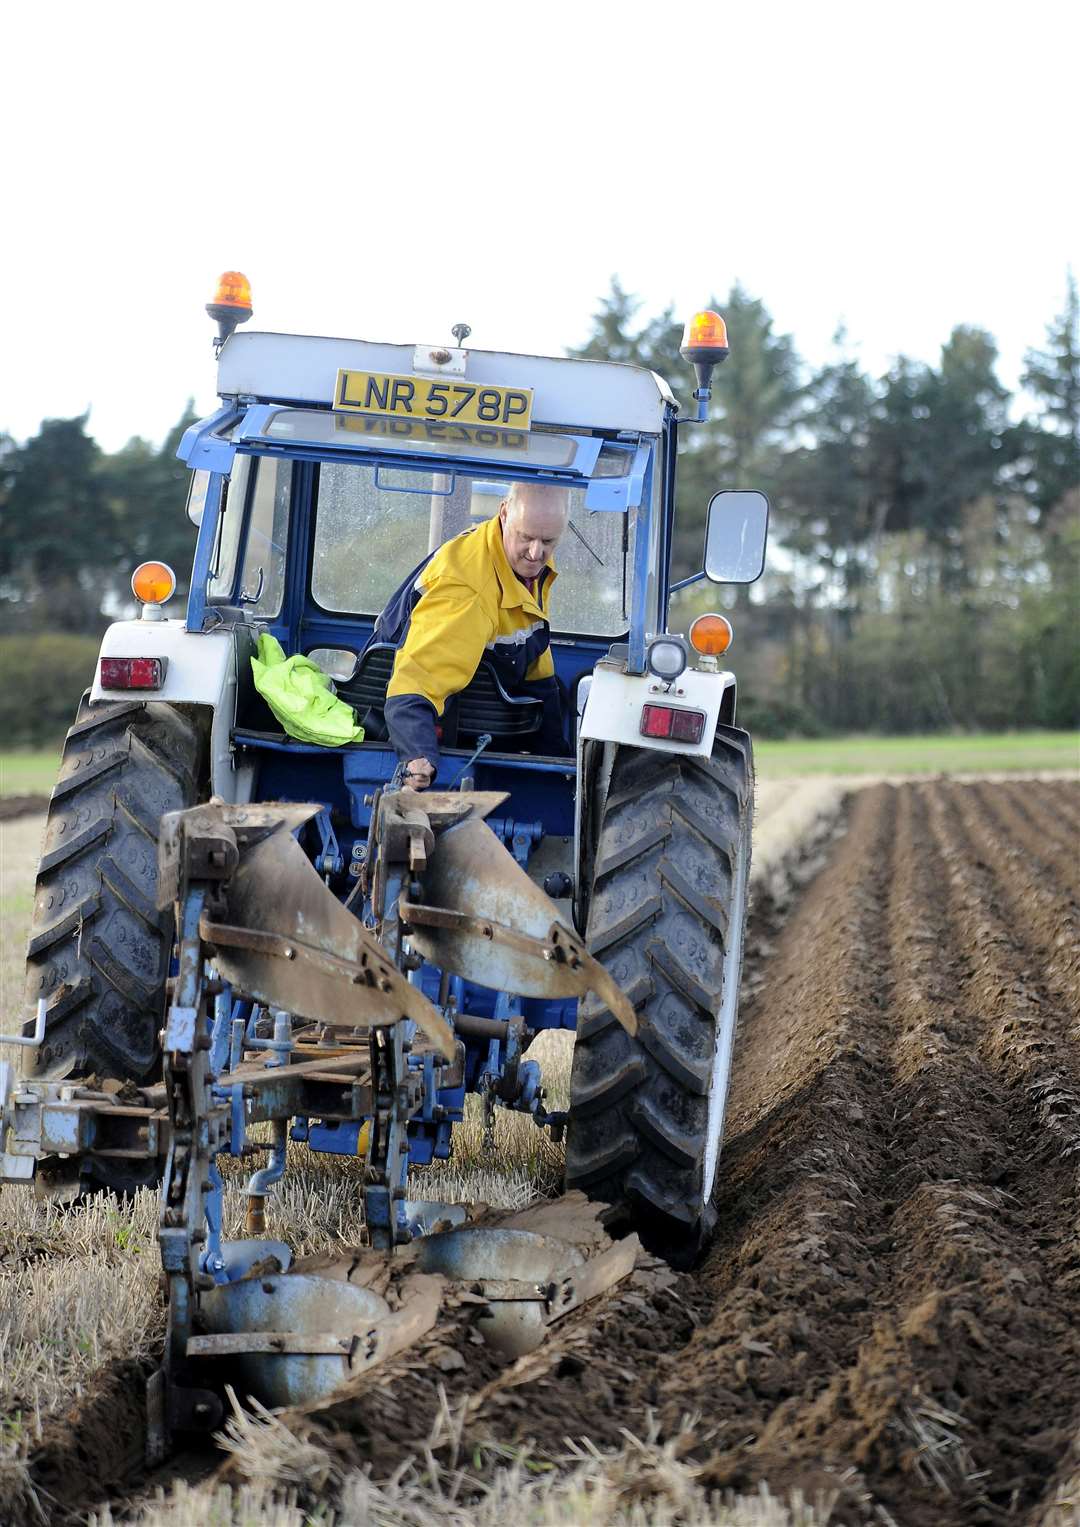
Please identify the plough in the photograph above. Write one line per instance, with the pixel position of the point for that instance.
(287, 1010)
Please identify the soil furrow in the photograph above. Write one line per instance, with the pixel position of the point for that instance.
(980, 1336)
(1038, 881)
(1049, 808)
(1052, 857)
(887, 1306)
(1038, 902)
(785, 1297)
(1025, 1029)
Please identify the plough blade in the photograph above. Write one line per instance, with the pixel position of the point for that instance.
(278, 934)
(483, 918)
(293, 1339)
(526, 1281)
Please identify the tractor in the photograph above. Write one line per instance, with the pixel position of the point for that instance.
(243, 940)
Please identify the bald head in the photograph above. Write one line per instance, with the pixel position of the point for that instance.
(534, 517)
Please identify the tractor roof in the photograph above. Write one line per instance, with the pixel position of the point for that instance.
(586, 394)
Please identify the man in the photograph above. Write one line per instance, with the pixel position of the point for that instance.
(486, 592)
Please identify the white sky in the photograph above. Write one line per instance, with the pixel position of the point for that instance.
(383, 170)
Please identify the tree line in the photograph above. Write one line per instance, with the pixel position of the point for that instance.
(925, 562)
(75, 521)
(925, 530)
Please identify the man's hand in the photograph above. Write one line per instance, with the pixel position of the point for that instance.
(418, 774)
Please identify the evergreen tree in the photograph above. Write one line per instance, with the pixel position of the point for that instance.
(76, 522)
(965, 434)
(896, 448)
(756, 394)
(654, 344)
(827, 490)
(147, 490)
(1051, 443)
(56, 532)
(937, 441)
(755, 397)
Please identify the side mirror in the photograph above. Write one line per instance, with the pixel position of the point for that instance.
(735, 534)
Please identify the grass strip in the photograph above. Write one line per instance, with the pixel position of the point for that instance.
(940, 753)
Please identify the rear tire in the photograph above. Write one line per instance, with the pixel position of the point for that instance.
(100, 949)
(666, 917)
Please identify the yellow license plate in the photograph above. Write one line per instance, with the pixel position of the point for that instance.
(417, 397)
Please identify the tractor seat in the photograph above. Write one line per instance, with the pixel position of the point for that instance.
(482, 706)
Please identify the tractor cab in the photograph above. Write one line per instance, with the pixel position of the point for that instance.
(332, 469)
(312, 513)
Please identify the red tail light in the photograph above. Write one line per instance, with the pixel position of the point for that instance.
(133, 672)
(672, 722)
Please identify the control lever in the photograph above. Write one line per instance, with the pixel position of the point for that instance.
(482, 742)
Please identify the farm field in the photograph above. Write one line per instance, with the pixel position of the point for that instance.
(886, 1328)
(939, 753)
(28, 773)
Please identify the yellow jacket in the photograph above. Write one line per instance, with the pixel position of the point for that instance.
(463, 603)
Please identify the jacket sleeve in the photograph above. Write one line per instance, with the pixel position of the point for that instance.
(448, 632)
(411, 724)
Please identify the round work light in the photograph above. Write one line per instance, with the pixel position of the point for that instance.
(666, 658)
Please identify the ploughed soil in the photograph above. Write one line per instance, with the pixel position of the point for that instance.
(12, 806)
(890, 1311)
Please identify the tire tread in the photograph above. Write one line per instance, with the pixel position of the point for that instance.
(99, 947)
(671, 839)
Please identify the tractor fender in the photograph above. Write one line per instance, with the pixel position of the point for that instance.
(614, 701)
(609, 716)
(200, 672)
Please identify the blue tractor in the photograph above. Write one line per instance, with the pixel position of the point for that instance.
(241, 928)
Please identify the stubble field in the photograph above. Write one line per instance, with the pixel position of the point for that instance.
(885, 1330)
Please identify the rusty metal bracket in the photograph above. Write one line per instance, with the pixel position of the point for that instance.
(560, 947)
(404, 828)
(276, 932)
(568, 1289)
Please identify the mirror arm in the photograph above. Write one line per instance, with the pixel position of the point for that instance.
(684, 583)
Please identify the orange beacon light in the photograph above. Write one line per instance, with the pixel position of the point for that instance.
(231, 304)
(704, 345)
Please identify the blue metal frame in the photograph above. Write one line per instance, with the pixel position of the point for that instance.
(620, 493)
(204, 551)
(670, 463)
(251, 434)
(203, 449)
(639, 585)
(298, 609)
(202, 446)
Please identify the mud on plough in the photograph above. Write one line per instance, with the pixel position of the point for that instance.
(288, 1010)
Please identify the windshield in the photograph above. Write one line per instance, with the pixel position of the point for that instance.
(375, 524)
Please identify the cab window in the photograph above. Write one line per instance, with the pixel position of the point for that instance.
(373, 527)
(249, 564)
